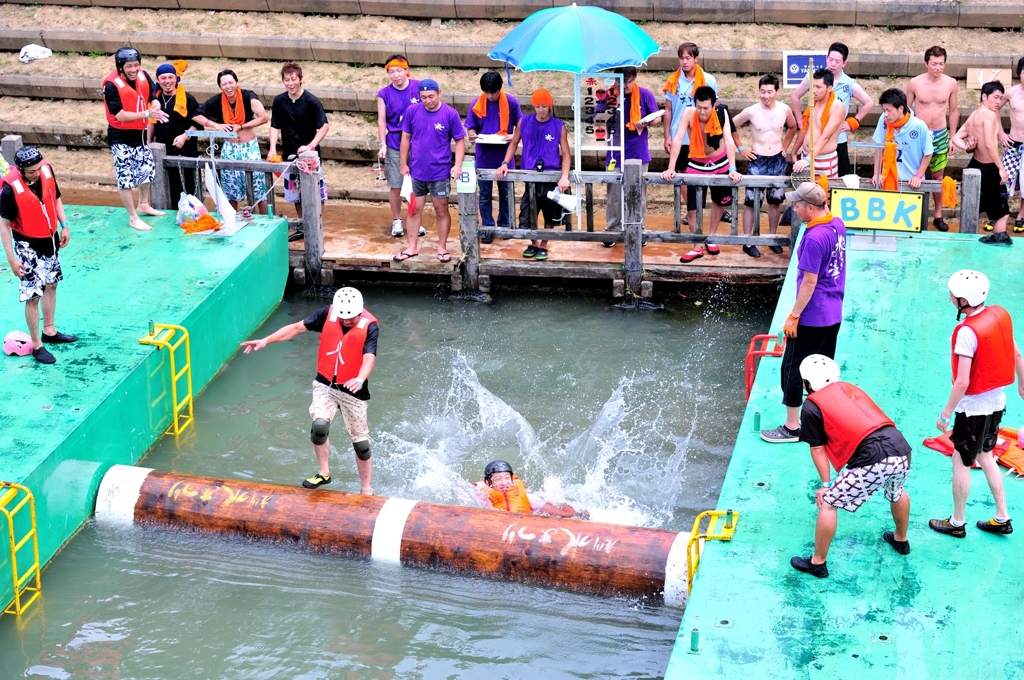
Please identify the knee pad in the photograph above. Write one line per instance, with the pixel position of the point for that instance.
(362, 449)
(318, 433)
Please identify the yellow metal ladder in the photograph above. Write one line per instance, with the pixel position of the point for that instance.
(695, 546)
(171, 337)
(20, 496)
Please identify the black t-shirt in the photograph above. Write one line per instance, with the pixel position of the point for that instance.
(315, 322)
(876, 447)
(165, 133)
(113, 99)
(212, 109)
(9, 211)
(298, 120)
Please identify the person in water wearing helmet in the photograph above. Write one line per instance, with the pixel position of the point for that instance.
(345, 359)
(985, 358)
(31, 214)
(501, 489)
(845, 428)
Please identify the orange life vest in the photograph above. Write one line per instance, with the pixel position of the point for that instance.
(133, 100)
(993, 364)
(513, 500)
(36, 218)
(341, 354)
(849, 416)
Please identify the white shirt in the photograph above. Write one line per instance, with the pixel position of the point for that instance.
(986, 402)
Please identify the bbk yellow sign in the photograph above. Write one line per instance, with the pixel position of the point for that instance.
(881, 210)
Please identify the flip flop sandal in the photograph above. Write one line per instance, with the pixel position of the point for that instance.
(692, 255)
(403, 256)
(444, 257)
(712, 249)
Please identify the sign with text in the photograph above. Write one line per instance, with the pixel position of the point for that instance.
(796, 64)
(465, 183)
(879, 210)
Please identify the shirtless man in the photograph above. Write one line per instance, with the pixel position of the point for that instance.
(980, 132)
(1013, 144)
(846, 89)
(932, 96)
(828, 120)
(767, 153)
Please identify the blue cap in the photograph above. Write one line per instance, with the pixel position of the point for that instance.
(165, 69)
(429, 85)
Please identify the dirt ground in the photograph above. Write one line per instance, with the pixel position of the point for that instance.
(482, 31)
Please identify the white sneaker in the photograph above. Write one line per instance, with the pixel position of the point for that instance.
(396, 228)
(422, 232)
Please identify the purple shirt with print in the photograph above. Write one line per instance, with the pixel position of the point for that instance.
(822, 251)
(430, 150)
(636, 143)
(395, 103)
(490, 156)
(541, 142)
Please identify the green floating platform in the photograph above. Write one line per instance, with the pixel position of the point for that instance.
(107, 399)
(952, 608)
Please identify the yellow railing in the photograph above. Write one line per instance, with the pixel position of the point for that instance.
(20, 496)
(695, 545)
(171, 337)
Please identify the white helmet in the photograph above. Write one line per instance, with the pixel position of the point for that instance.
(819, 371)
(348, 304)
(969, 285)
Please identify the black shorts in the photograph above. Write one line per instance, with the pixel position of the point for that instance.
(973, 434)
(843, 157)
(809, 340)
(993, 200)
(554, 214)
(684, 157)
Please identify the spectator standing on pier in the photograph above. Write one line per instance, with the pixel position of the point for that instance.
(33, 228)
(985, 359)
(392, 101)
(932, 96)
(493, 113)
(980, 135)
(180, 107)
(1013, 144)
(908, 144)
(545, 144)
(844, 427)
(824, 117)
(813, 324)
(346, 356)
(298, 120)
(239, 111)
(428, 130)
(130, 101)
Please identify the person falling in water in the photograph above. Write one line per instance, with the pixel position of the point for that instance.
(501, 489)
(828, 117)
(769, 120)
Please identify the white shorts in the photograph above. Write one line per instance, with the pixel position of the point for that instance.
(854, 486)
(327, 401)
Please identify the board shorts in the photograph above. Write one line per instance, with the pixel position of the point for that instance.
(1012, 157)
(854, 486)
(940, 157)
(327, 401)
(771, 166)
(133, 165)
(718, 165)
(39, 272)
(993, 201)
(233, 181)
(439, 189)
(827, 165)
(292, 193)
(392, 168)
(972, 435)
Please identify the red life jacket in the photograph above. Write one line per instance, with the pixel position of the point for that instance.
(993, 364)
(133, 100)
(341, 355)
(849, 416)
(513, 500)
(36, 218)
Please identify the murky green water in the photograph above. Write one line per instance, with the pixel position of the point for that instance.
(631, 415)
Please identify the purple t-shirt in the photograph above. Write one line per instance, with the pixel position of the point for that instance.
(395, 103)
(541, 142)
(430, 150)
(636, 144)
(822, 251)
(490, 156)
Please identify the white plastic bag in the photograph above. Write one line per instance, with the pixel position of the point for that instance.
(189, 209)
(33, 52)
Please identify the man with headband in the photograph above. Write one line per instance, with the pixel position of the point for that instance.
(392, 101)
(428, 130)
(179, 106)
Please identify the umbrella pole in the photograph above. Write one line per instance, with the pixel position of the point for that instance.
(810, 118)
(578, 139)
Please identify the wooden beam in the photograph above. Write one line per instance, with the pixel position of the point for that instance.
(469, 240)
(634, 203)
(312, 215)
(970, 200)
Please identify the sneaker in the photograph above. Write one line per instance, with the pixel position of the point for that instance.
(727, 216)
(530, 251)
(940, 224)
(902, 547)
(542, 254)
(486, 240)
(943, 526)
(752, 251)
(686, 220)
(990, 226)
(59, 338)
(1018, 226)
(775, 249)
(397, 229)
(805, 565)
(43, 356)
(781, 435)
(422, 231)
(692, 255)
(712, 249)
(998, 239)
(316, 481)
(295, 236)
(994, 527)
